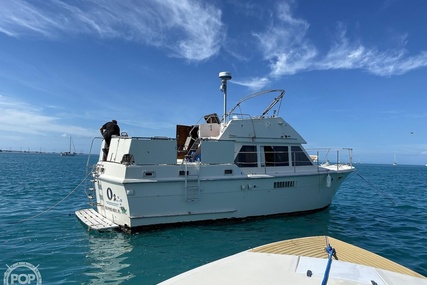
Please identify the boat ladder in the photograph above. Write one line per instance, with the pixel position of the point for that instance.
(91, 194)
(192, 183)
(193, 151)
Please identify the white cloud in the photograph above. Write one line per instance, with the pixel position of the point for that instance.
(193, 30)
(201, 25)
(18, 117)
(347, 55)
(253, 83)
(188, 29)
(288, 50)
(285, 45)
(19, 17)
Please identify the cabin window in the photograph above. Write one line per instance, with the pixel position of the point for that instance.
(247, 156)
(299, 157)
(276, 156)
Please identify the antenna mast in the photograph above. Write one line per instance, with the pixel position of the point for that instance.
(224, 76)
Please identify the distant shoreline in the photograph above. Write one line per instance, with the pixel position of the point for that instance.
(32, 152)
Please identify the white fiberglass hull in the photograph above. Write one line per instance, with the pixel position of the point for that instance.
(301, 261)
(154, 202)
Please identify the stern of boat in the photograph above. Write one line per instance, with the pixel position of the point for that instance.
(109, 199)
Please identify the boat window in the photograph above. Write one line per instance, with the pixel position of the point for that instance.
(276, 156)
(247, 156)
(299, 157)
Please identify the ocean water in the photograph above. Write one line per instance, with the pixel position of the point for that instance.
(381, 208)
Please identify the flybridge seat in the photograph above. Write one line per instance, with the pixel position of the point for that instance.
(211, 128)
(189, 137)
(212, 119)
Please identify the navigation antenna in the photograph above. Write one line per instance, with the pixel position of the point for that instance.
(224, 76)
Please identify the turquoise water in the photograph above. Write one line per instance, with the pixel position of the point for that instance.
(384, 212)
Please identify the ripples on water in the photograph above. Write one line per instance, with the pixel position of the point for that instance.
(385, 215)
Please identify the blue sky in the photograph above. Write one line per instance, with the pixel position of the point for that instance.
(354, 72)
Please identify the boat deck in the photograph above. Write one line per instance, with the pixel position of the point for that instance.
(95, 221)
(301, 261)
(315, 247)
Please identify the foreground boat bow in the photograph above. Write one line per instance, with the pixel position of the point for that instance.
(302, 261)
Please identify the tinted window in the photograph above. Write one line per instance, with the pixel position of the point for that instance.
(299, 157)
(276, 156)
(247, 156)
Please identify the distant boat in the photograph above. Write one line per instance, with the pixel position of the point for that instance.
(70, 153)
(395, 161)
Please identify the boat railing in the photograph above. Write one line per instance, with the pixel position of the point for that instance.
(297, 160)
(242, 116)
(272, 104)
(90, 176)
(154, 138)
(88, 163)
(331, 156)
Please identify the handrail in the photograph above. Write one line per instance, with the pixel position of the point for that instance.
(90, 152)
(327, 153)
(275, 101)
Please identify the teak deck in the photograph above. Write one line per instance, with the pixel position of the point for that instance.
(315, 247)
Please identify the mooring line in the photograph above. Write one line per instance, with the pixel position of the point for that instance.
(52, 207)
(376, 188)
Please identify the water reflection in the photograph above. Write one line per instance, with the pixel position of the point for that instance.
(108, 258)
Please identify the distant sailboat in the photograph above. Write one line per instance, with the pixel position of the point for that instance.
(394, 161)
(69, 153)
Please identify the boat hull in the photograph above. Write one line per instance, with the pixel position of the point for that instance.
(154, 202)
